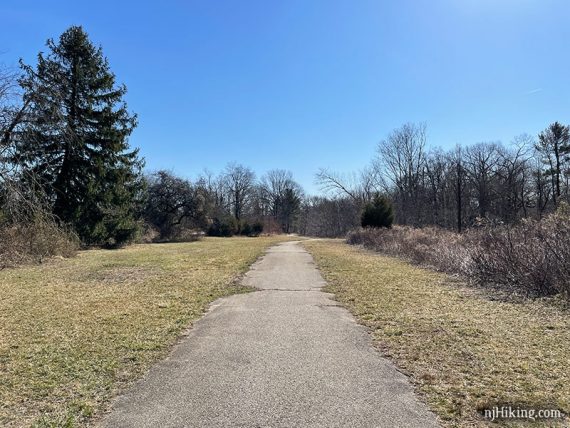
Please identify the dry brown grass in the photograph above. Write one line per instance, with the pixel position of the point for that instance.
(74, 332)
(462, 350)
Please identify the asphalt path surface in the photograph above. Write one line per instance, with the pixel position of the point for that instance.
(286, 355)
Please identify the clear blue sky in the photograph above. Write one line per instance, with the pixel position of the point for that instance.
(315, 83)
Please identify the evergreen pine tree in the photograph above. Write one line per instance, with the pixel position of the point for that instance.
(378, 213)
(289, 206)
(554, 145)
(75, 143)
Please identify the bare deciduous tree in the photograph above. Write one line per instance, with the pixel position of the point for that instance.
(329, 217)
(281, 194)
(466, 186)
(401, 162)
(514, 174)
(480, 162)
(239, 181)
(360, 187)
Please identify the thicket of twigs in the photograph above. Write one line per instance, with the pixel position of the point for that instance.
(531, 258)
(28, 232)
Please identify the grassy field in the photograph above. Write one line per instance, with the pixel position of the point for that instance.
(462, 350)
(74, 332)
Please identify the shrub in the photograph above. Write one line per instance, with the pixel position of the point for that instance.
(515, 257)
(28, 232)
(378, 213)
(257, 228)
(225, 226)
(246, 229)
(418, 246)
(34, 241)
(555, 235)
(531, 258)
(147, 234)
(253, 229)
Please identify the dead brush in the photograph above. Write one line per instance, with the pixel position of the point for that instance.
(438, 248)
(28, 232)
(531, 258)
(34, 241)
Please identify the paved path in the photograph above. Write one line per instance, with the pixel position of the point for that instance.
(285, 356)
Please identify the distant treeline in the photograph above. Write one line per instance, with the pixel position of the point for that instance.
(469, 185)
(232, 202)
(67, 170)
(66, 167)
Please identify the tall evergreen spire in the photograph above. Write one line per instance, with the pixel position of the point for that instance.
(75, 142)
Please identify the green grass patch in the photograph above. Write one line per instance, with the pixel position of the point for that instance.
(463, 350)
(73, 332)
